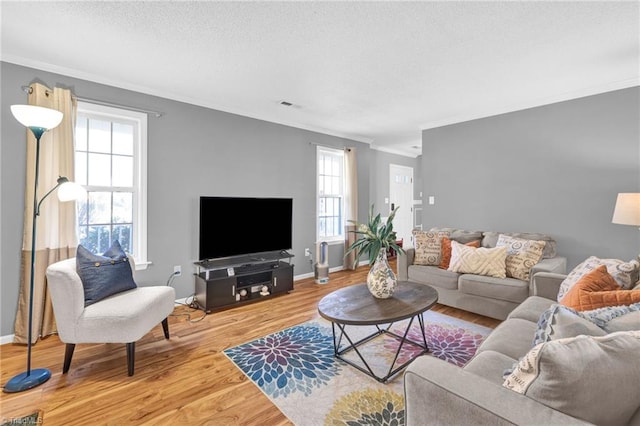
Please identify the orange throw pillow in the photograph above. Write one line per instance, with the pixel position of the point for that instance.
(598, 289)
(446, 251)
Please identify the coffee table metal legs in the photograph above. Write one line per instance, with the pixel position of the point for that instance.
(365, 368)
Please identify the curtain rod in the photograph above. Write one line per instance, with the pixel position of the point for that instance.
(346, 148)
(27, 89)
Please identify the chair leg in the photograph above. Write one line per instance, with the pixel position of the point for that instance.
(165, 327)
(68, 354)
(131, 357)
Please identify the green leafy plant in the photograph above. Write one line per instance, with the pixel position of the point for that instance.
(374, 236)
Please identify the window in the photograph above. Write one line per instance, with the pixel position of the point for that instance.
(330, 194)
(111, 163)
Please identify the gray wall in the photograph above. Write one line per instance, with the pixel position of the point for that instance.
(192, 151)
(555, 169)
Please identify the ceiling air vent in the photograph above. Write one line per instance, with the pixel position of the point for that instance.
(285, 103)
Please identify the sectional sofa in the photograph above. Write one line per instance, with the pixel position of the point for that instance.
(577, 383)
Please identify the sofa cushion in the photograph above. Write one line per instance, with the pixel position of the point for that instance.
(490, 239)
(445, 260)
(508, 289)
(531, 309)
(460, 235)
(598, 289)
(490, 365)
(522, 255)
(625, 273)
(428, 247)
(480, 261)
(553, 374)
(433, 276)
(511, 338)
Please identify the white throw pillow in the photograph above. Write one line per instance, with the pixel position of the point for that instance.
(479, 261)
(592, 378)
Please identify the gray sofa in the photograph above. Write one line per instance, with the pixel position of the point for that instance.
(440, 393)
(488, 296)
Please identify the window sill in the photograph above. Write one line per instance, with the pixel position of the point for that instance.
(141, 266)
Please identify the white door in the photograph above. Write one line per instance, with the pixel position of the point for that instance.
(401, 195)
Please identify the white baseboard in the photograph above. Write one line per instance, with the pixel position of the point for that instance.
(311, 274)
(6, 339)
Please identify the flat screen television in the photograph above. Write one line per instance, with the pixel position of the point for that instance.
(233, 226)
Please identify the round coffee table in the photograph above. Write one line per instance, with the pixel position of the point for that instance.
(355, 305)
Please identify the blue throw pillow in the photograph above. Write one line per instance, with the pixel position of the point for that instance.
(103, 276)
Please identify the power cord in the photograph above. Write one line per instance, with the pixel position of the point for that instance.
(171, 277)
(193, 305)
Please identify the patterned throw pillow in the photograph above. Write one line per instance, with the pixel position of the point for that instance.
(553, 374)
(522, 255)
(598, 289)
(615, 318)
(559, 322)
(490, 239)
(103, 276)
(428, 247)
(446, 251)
(479, 261)
(626, 274)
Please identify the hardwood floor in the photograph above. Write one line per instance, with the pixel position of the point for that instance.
(186, 380)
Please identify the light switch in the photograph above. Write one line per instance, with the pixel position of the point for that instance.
(432, 200)
(386, 200)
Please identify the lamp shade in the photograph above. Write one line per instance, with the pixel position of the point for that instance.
(627, 210)
(70, 191)
(35, 116)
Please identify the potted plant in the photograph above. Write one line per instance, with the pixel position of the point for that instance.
(375, 238)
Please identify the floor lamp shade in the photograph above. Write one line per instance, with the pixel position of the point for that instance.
(627, 210)
(35, 116)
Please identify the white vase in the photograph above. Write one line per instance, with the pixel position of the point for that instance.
(381, 281)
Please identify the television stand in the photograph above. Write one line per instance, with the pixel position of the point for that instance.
(229, 282)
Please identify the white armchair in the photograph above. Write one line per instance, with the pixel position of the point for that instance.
(121, 318)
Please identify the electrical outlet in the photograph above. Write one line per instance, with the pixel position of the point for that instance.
(177, 270)
(307, 252)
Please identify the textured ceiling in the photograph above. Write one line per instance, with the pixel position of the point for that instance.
(377, 72)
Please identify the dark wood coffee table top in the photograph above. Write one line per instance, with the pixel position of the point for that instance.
(355, 305)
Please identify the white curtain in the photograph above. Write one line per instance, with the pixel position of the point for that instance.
(351, 203)
(56, 228)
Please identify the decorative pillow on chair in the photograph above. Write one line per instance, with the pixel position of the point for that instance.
(522, 255)
(428, 247)
(479, 261)
(626, 274)
(103, 276)
(566, 375)
(446, 251)
(598, 289)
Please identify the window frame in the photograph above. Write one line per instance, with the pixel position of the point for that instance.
(336, 152)
(139, 214)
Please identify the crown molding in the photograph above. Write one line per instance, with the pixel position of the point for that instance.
(568, 96)
(70, 72)
(396, 151)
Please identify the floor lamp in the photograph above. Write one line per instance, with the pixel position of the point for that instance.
(38, 120)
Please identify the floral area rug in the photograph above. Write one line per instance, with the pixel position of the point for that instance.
(297, 370)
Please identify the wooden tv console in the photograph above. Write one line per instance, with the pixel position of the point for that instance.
(225, 283)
